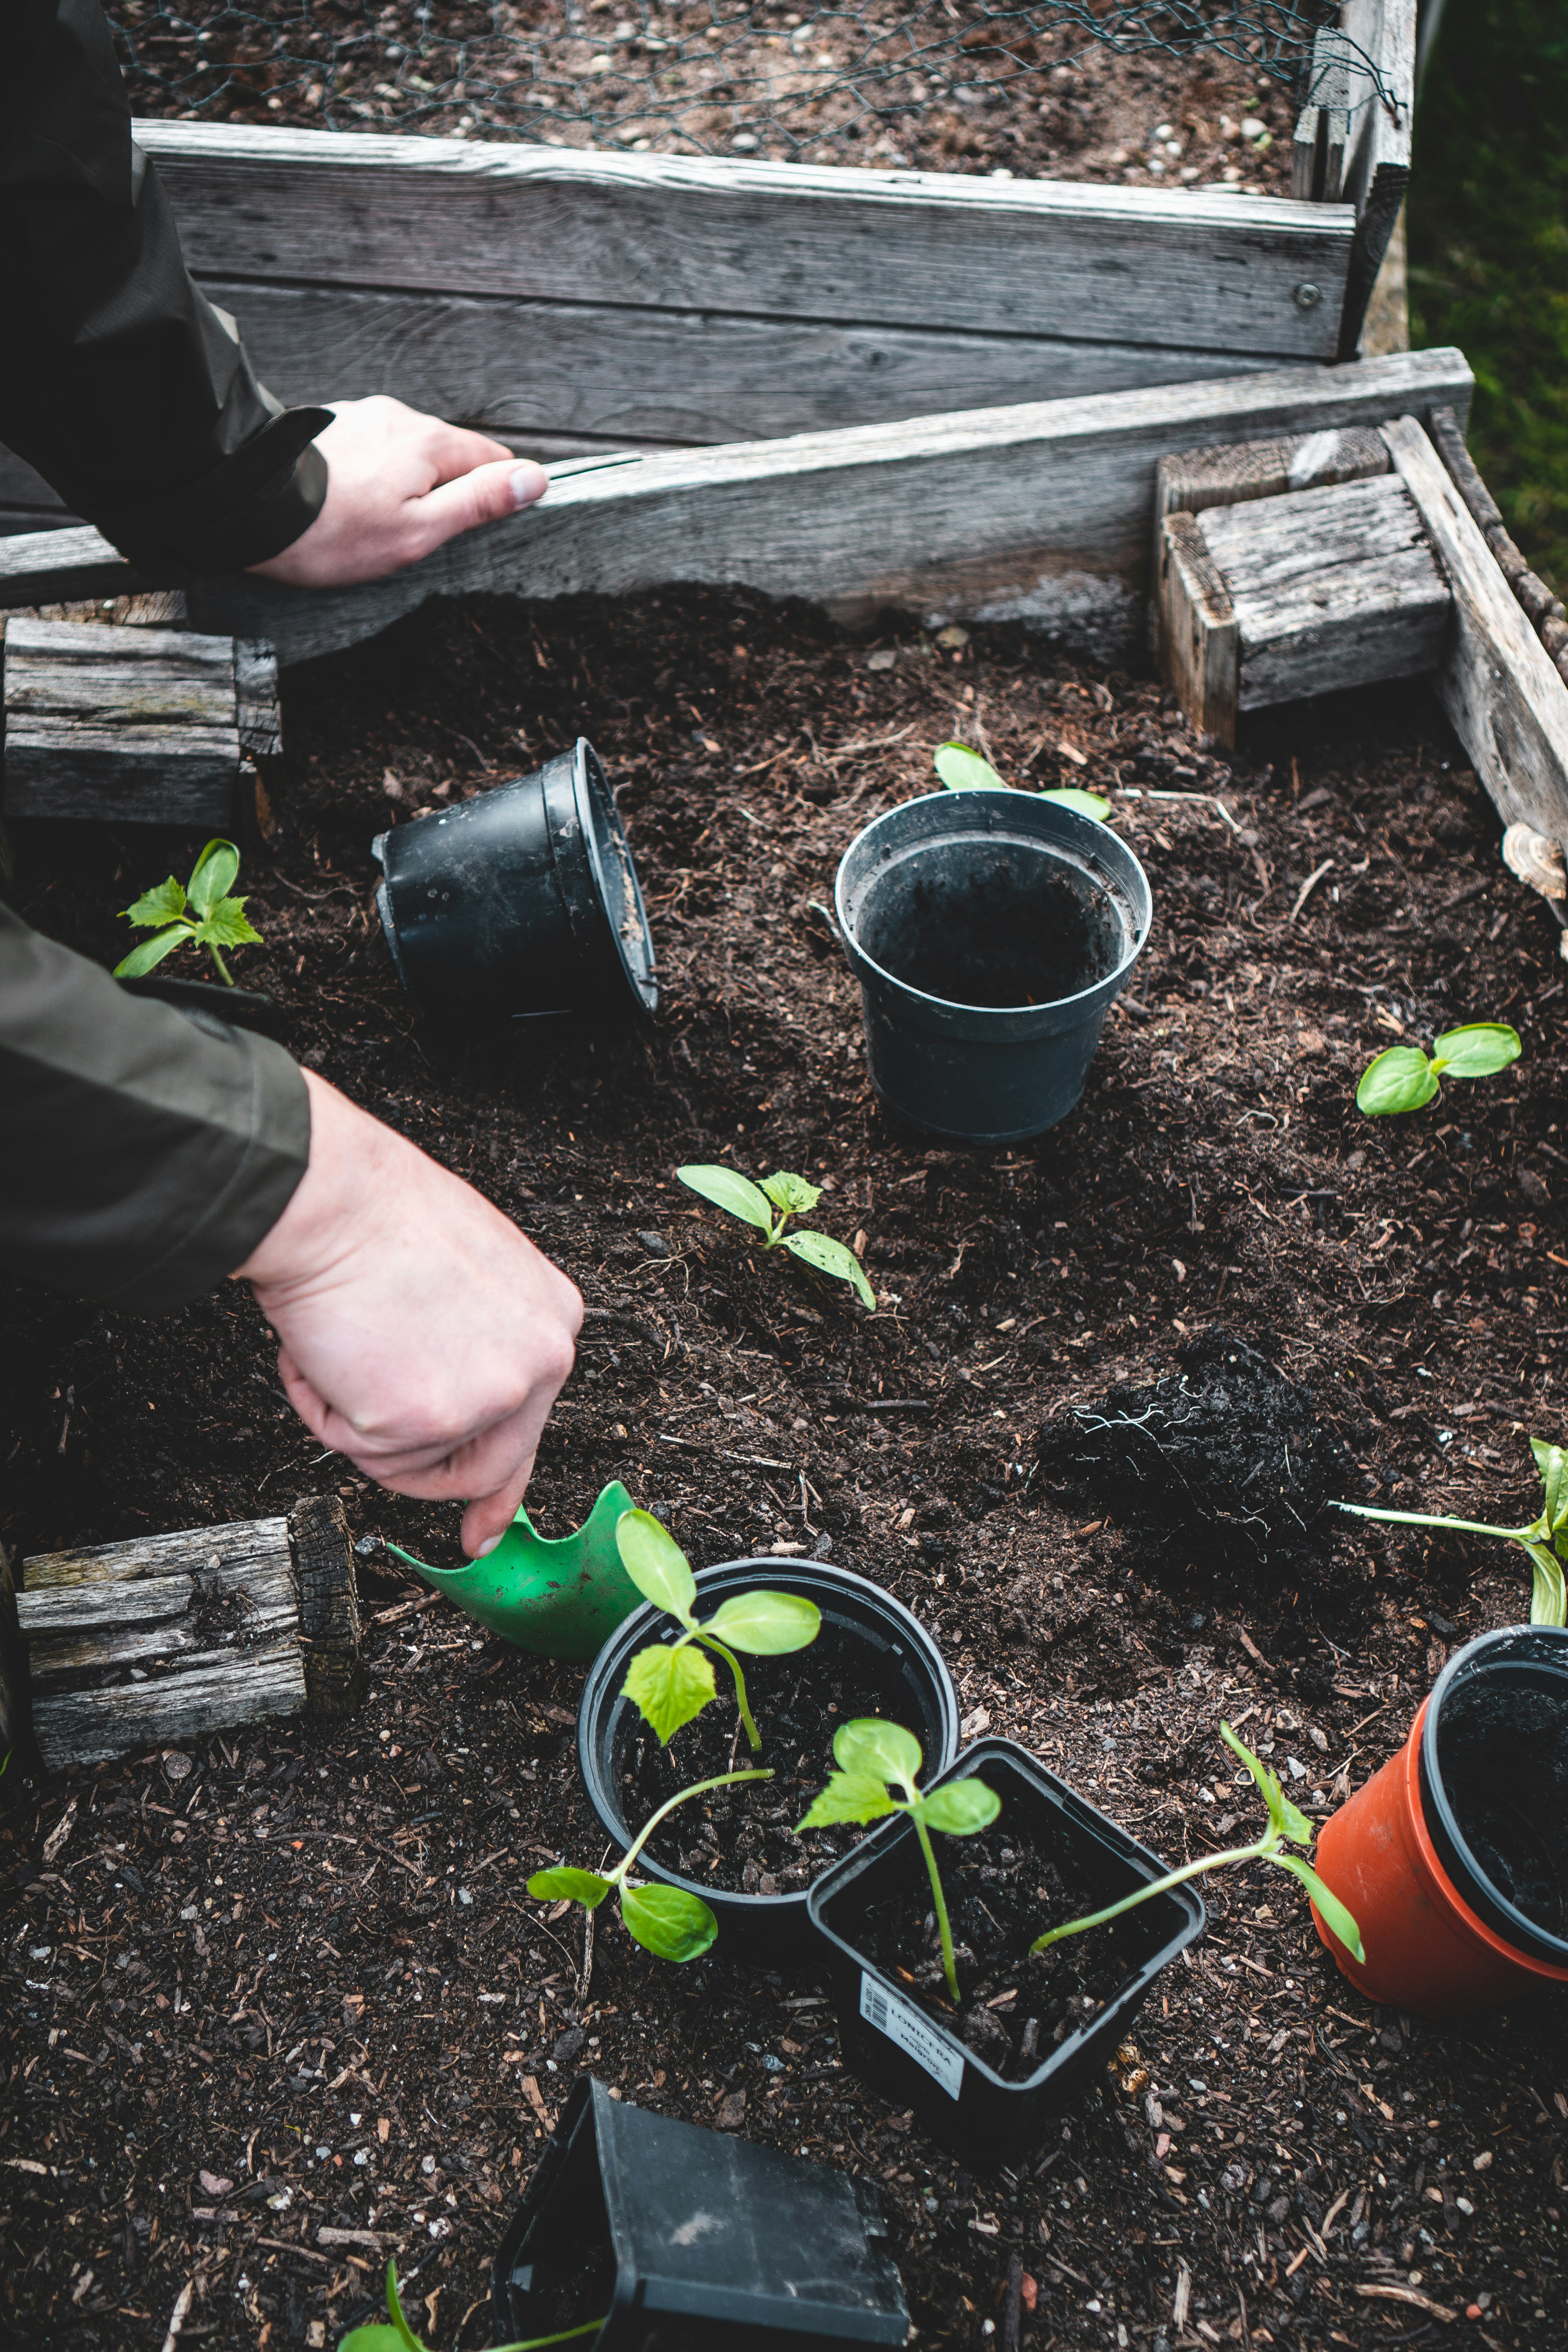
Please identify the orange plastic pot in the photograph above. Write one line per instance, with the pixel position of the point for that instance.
(1454, 1857)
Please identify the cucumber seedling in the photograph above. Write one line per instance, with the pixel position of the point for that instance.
(963, 770)
(670, 1682)
(770, 1206)
(871, 1754)
(664, 1920)
(1545, 1538)
(1287, 1825)
(393, 2334)
(1404, 1078)
(200, 911)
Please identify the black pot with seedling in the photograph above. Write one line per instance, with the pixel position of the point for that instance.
(520, 903)
(990, 931)
(823, 1646)
(642, 2233)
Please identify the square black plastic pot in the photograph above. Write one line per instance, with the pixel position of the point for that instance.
(699, 2241)
(902, 2051)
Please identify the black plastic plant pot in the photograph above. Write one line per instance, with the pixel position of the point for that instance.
(520, 902)
(905, 2051)
(990, 931)
(688, 2240)
(887, 1655)
(241, 1008)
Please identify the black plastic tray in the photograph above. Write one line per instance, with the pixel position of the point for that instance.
(909, 2055)
(714, 2244)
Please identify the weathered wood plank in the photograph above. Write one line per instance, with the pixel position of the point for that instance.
(207, 1695)
(669, 376)
(1377, 153)
(919, 249)
(1269, 545)
(1196, 479)
(1386, 616)
(1507, 703)
(329, 1604)
(56, 770)
(1039, 513)
(79, 1607)
(130, 723)
(257, 712)
(60, 567)
(59, 1665)
(1200, 642)
(236, 1545)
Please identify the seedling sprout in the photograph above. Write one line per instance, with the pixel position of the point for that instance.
(664, 1920)
(670, 1682)
(395, 2334)
(963, 770)
(1287, 1826)
(1404, 1078)
(869, 1754)
(202, 912)
(1545, 1538)
(769, 1207)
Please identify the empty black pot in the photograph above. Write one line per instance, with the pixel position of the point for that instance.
(688, 2239)
(519, 902)
(896, 1655)
(909, 2055)
(990, 931)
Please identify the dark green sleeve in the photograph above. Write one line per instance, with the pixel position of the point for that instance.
(145, 1153)
(119, 381)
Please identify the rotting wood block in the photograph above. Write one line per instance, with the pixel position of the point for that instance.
(12, 1666)
(1277, 598)
(169, 1637)
(135, 724)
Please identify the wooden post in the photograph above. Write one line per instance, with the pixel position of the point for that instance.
(1199, 635)
(1380, 47)
(329, 1604)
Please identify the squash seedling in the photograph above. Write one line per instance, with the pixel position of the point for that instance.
(1545, 1538)
(1404, 1078)
(664, 1920)
(769, 1207)
(395, 2334)
(202, 912)
(869, 1755)
(669, 1684)
(963, 770)
(1287, 1825)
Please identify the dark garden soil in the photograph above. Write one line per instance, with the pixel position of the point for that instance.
(743, 1838)
(291, 1987)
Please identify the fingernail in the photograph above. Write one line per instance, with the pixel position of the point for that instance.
(485, 1550)
(527, 483)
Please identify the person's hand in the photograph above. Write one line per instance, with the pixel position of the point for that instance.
(422, 1334)
(399, 484)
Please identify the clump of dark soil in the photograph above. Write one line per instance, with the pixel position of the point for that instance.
(743, 1839)
(1223, 1460)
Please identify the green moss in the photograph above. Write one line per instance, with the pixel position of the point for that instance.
(1488, 249)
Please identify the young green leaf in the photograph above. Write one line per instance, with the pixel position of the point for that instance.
(885, 1750)
(1330, 1910)
(584, 1887)
(1072, 796)
(1548, 1590)
(792, 1195)
(959, 1807)
(152, 951)
(727, 1190)
(395, 2312)
(212, 876)
(671, 1925)
(669, 1686)
(963, 770)
(1476, 1051)
(830, 1257)
(228, 926)
(166, 904)
(1400, 1079)
(1273, 1795)
(656, 1564)
(376, 2336)
(849, 1796)
(1552, 1464)
(765, 1625)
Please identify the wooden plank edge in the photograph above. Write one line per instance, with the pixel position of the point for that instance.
(1199, 635)
(1544, 610)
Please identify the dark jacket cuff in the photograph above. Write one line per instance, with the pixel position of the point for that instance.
(244, 511)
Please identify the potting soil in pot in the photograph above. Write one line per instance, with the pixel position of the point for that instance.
(1502, 1747)
(1002, 1890)
(1224, 1457)
(743, 1839)
(988, 922)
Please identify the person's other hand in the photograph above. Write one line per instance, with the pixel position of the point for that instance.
(399, 484)
(423, 1336)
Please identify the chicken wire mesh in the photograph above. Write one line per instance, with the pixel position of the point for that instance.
(1074, 87)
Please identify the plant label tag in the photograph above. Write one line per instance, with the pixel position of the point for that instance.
(903, 2025)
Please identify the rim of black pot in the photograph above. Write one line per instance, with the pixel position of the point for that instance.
(1542, 1645)
(594, 807)
(634, 1633)
(1005, 797)
(886, 1834)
